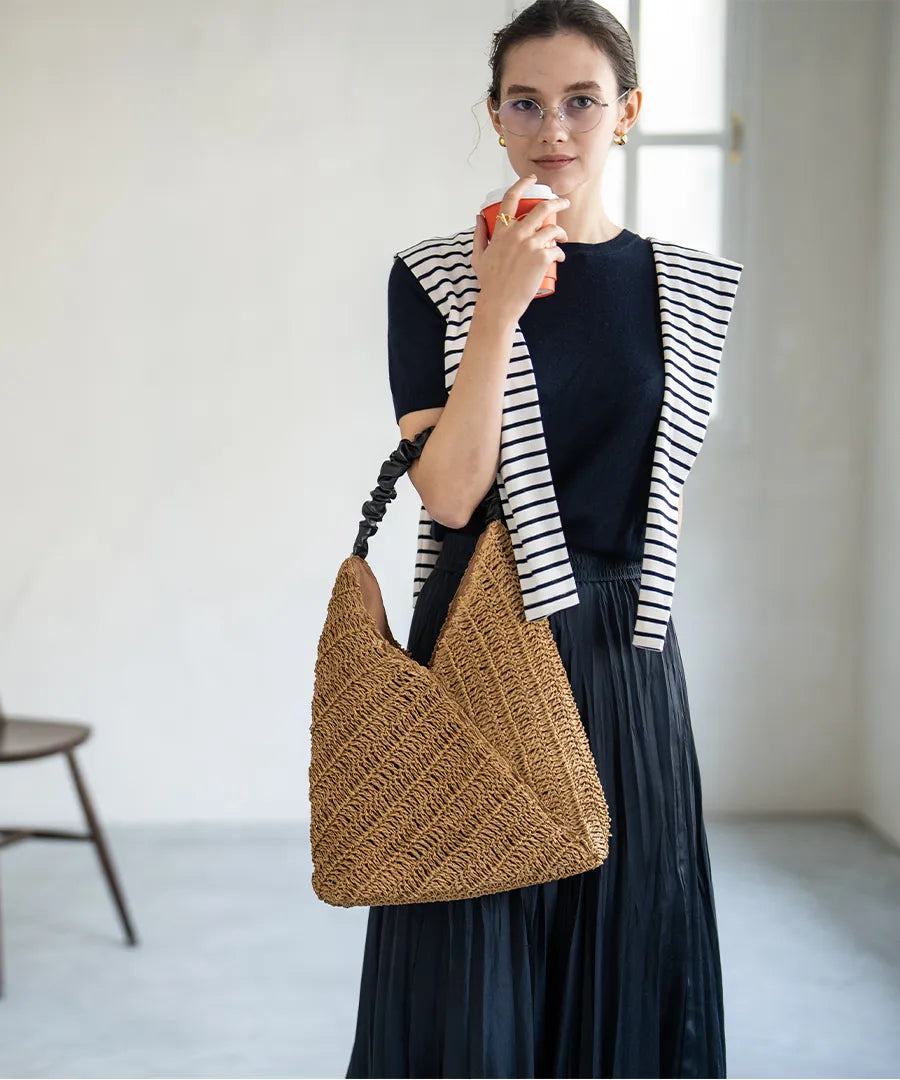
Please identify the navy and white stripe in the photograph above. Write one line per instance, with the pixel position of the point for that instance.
(696, 293)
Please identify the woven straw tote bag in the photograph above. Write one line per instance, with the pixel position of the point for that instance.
(469, 776)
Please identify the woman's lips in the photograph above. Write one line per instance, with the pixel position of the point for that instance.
(554, 163)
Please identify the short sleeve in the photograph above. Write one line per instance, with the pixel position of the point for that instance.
(416, 332)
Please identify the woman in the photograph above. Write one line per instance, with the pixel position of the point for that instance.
(615, 972)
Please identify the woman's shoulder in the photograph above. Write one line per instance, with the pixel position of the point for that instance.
(442, 266)
(673, 249)
(439, 246)
(702, 281)
(407, 289)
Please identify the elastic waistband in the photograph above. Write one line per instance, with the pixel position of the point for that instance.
(457, 549)
(588, 566)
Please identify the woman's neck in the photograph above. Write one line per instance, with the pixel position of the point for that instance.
(594, 234)
(585, 220)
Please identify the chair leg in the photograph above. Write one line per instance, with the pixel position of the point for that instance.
(102, 847)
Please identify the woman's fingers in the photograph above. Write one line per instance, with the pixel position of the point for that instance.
(481, 236)
(510, 201)
(479, 242)
(552, 232)
(537, 214)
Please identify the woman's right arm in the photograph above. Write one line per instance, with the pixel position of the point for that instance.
(461, 456)
(460, 459)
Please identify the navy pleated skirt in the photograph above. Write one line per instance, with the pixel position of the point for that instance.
(614, 972)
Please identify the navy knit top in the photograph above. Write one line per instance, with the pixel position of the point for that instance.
(596, 348)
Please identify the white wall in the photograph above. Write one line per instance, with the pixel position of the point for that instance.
(195, 399)
(880, 732)
(769, 602)
(200, 205)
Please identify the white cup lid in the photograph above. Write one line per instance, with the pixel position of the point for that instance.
(536, 191)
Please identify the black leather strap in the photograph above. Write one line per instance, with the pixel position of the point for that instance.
(373, 509)
(493, 508)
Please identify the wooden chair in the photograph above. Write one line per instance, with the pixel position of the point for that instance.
(25, 739)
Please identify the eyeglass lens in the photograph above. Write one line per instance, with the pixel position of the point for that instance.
(521, 116)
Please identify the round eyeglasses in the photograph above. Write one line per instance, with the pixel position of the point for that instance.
(577, 113)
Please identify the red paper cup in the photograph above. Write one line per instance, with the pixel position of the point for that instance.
(530, 198)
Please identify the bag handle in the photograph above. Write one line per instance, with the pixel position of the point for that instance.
(407, 452)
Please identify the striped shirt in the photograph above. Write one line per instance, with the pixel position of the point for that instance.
(696, 295)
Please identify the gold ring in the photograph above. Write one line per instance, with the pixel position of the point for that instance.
(506, 219)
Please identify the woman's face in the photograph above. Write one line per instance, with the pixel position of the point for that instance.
(543, 69)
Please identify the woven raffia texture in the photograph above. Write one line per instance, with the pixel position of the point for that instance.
(470, 776)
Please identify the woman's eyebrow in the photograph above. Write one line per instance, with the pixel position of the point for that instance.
(517, 88)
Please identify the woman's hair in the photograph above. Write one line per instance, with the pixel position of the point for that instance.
(544, 18)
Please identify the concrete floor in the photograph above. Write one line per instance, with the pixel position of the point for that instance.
(243, 972)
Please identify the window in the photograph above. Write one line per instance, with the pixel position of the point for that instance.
(669, 182)
(672, 180)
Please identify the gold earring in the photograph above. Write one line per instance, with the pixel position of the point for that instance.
(502, 141)
(620, 139)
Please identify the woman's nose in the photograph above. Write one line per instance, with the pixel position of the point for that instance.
(554, 116)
